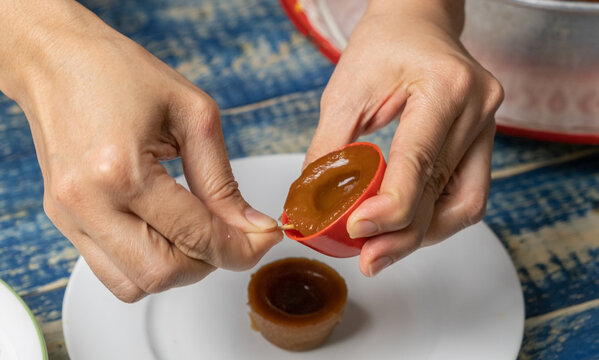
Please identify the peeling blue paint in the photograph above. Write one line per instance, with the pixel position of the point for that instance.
(244, 52)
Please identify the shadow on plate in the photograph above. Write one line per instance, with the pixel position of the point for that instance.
(355, 319)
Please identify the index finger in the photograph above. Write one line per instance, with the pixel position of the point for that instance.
(418, 141)
(184, 220)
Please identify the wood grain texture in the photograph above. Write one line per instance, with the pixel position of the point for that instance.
(570, 333)
(268, 79)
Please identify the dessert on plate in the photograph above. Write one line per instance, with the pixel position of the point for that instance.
(295, 302)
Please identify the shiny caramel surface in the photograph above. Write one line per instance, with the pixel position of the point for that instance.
(296, 292)
(329, 186)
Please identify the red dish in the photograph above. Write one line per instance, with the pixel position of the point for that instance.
(333, 240)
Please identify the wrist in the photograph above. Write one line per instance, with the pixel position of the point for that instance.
(37, 37)
(446, 14)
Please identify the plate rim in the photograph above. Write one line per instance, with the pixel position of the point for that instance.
(40, 335)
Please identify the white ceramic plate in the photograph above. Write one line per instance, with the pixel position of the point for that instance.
(20, 337)
(457, 300)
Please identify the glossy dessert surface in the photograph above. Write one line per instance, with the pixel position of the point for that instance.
(296, 302)
(329, 186)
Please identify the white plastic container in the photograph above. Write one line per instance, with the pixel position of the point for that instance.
(544, 52)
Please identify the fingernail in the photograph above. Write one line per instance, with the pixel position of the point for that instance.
(379, 264)
(363, 228)
(260, 220)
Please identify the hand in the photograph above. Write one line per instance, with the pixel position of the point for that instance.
(410, 61)
(103, 113)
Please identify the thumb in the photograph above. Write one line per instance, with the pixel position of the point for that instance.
(245, 233)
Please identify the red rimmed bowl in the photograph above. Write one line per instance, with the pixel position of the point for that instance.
(544, 52)
(333, 239)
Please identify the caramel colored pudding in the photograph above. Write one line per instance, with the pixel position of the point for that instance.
(296, 302)
(329, 186)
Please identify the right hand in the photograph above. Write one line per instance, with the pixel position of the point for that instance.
(103, 113)
(405, 57)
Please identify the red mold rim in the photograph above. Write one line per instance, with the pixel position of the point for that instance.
(334, 240)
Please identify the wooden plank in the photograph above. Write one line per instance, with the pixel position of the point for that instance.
(46, 304)
(573, 333)
(548, 221)
(54, 338)
(33, 252)
(240, 51)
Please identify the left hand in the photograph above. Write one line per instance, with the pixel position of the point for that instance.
(438, 175)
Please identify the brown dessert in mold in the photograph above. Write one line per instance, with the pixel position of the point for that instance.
(296, 302)
(329, 186)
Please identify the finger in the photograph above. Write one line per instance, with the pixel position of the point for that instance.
(181, 218)
(207, 167)
(142, 254)
(332, 133)
(390, 109)
(383, 250)
(393, 209)
(105, 270)
(352, 111)
(465, 199)
(100, 264)
(431, 224)
(414, 163)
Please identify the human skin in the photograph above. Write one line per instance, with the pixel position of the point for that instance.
(103, 112)
(405, 57)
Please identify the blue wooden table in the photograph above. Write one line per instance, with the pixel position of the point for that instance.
(267, 79)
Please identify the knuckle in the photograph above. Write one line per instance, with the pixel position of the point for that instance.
(55, 215)
(113, 170)
(223, 187)
(439, 178)
(207, 118)
(209, 107)
(128, 293)
(65, 190)
(49, 208)
(157, 278)
(494, 96)
(195, 242)
(462, 78)
(401, 212)
(475, 208)
(420, 160)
